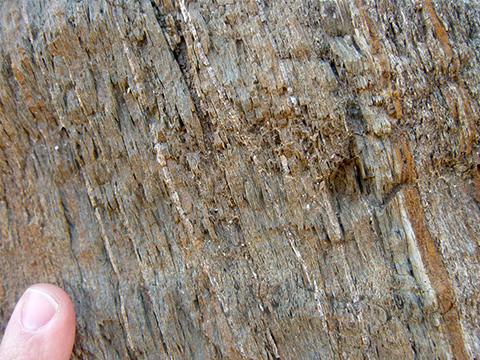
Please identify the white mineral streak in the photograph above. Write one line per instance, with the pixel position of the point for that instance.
(281, 63)
(108, 248)
(311, 280)
(415, 257)
(167, 177)
(330, 216)
(211, 72)
(272, 344)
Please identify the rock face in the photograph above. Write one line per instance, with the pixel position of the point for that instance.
(248, 179)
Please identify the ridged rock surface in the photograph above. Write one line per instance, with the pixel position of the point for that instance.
(249, 179)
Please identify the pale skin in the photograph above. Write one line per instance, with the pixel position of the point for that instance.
(42, 326)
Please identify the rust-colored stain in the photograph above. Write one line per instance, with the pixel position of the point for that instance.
(440, 32)
(411, 174)
(404, 159)
(436, 272)
(374, 42)
(398, 107)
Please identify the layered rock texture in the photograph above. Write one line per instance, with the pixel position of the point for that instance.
(248, 179)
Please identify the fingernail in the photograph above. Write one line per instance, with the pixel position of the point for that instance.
(38, 309)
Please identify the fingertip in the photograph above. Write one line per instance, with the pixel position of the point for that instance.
(42, 325)
(65, 314)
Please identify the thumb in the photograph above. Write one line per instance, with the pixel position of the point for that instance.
(42, 326)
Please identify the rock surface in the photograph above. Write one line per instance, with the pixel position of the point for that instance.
(258, 179)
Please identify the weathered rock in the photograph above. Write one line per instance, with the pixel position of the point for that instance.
(245, 179)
